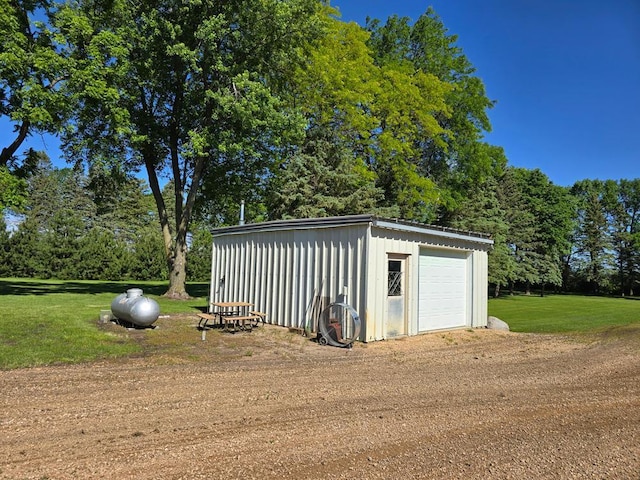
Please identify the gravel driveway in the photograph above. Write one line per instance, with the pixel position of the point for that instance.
(271, 404)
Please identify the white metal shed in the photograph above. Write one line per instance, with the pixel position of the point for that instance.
(402, 278)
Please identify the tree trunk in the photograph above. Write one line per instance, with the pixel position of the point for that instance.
(496, 291)
(8, 152)
(178, 273)
(175, 250)
(175, 247)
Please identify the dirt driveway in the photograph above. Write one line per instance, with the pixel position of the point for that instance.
(272, 404)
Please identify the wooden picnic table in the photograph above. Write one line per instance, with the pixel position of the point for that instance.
(235, 313)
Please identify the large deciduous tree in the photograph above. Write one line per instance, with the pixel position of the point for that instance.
(459, 159)
(12, 190)
(34, 65)
(186, 89)
(362, 124)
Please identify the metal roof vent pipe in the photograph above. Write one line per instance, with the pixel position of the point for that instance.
(241, 213)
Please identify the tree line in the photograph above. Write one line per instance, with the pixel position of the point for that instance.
(582, 238)
(72, 229)
(283, 105)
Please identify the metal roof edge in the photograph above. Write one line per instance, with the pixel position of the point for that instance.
(292, 224)
(324, 222)
(414, 227)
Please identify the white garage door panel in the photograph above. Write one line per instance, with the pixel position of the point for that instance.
(442, 295)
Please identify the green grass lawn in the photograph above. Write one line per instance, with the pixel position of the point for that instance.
(44, 322)
(565, 313)
(47, 321)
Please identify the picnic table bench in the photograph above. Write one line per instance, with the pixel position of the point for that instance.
(234, 318)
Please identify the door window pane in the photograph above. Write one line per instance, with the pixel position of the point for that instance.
(394, 286)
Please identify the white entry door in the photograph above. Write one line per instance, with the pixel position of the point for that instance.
(443, 290)
(396, 318)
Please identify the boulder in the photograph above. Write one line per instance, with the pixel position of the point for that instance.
(495, 323)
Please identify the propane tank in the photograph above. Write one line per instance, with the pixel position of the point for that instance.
(134, 308)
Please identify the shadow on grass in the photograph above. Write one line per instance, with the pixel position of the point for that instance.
(538, 294)
(43, 287)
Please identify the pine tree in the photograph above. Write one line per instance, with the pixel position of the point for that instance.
(593, 244)
(483, 212)
(323, 180)
(540, 217)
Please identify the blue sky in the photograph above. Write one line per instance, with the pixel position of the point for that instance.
(565, 75)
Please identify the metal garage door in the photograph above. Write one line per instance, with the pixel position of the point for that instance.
(443, 287)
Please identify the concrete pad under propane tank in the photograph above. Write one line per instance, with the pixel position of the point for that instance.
(132, 307)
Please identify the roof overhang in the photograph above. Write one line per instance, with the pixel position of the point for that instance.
(432, 230)
(335, 222)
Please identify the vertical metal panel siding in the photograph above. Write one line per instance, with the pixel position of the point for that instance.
(480, 297)
(287, 273)
(384, 241)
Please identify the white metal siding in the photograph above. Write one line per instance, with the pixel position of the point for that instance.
(290, 270)
(382, 243)
(291, 274)
(385, 241)
(479, 299)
